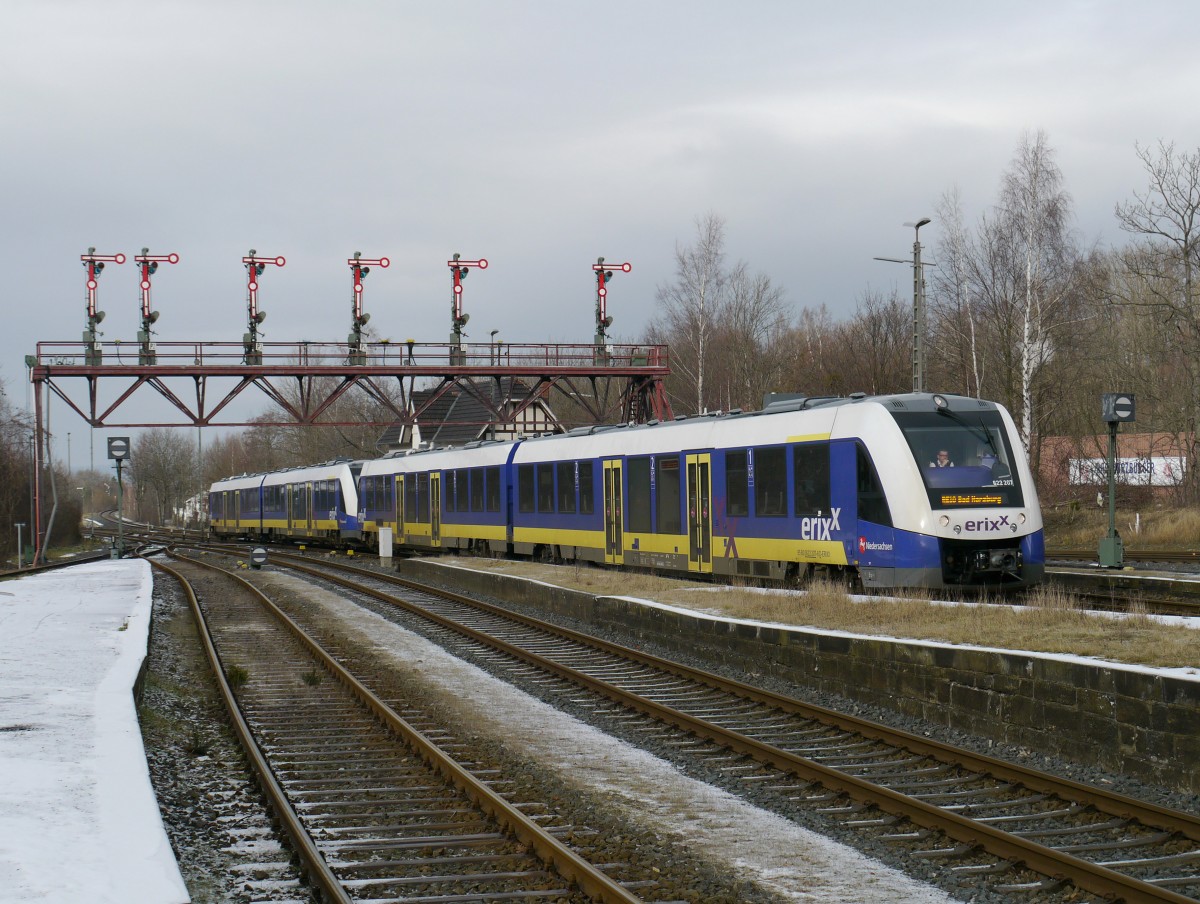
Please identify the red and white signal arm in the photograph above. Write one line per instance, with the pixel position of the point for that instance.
(624, 268)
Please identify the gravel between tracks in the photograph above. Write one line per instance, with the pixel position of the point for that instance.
(212, 810)
(644, 790)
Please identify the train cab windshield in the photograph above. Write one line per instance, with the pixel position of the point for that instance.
(965, 460)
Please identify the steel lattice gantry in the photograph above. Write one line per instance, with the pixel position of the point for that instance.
(304, 381)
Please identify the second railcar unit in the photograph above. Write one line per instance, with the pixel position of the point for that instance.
(318, 502)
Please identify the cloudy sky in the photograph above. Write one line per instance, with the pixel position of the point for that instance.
(539, 135)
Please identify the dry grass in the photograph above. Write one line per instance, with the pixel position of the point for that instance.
(1149, 528)
(1051, 621)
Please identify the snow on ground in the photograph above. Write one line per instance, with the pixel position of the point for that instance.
(798, 864)
(78, 816)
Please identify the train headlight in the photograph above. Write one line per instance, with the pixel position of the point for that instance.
(944, 521)
(958, 528)
(1020, 517)
(1013, 527)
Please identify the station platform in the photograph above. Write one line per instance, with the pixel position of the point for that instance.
(78, 816)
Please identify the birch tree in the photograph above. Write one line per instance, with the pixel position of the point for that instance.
(692, 304)
(1037, 209)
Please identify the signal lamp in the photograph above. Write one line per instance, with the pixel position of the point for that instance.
(260, 316)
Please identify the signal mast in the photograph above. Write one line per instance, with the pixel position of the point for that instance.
(604, 272)
(254, 269)
(95, 266)
(458, 272)
(149, 263)
(359, 268)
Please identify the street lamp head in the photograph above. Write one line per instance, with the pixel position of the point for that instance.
(924, 221)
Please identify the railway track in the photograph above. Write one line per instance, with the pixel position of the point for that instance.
(1132, 555)
(1019, 829)
(374, 807)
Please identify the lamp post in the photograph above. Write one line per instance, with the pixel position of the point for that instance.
(20, 550)
(918, 308)
(492, 349)
(918, 362)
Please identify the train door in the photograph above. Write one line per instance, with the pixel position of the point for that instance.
(614, 540)
(699, 503)
(435, 508)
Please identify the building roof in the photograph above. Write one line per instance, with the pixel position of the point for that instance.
(456, 417)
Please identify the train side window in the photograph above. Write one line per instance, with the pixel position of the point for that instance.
(493, 489)
(667, 475)
(770, 482)
(737, 484)
(525, 488)
(872, 504)
(810, 474)
(476, 479)
(566, 487)
(423, 497)
(461, 490)
(545, 488)
(638, 495)
(587, 492)
(411, 509)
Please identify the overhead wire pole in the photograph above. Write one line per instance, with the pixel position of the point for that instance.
(918, 359)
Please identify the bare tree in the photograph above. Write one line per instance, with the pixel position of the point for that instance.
(955, 361)
(1159, 269)
(693, 303)
(164, 472)
(880, 338)
(1010, 290)
(1036, 210)
(748, 347)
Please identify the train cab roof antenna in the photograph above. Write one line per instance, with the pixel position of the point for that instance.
(359, 268)
(94, 263)
(254, 269)
(149, 264)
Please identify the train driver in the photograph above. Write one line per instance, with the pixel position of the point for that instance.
(942, 461)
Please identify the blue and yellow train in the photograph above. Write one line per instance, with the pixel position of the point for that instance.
(915, 490)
